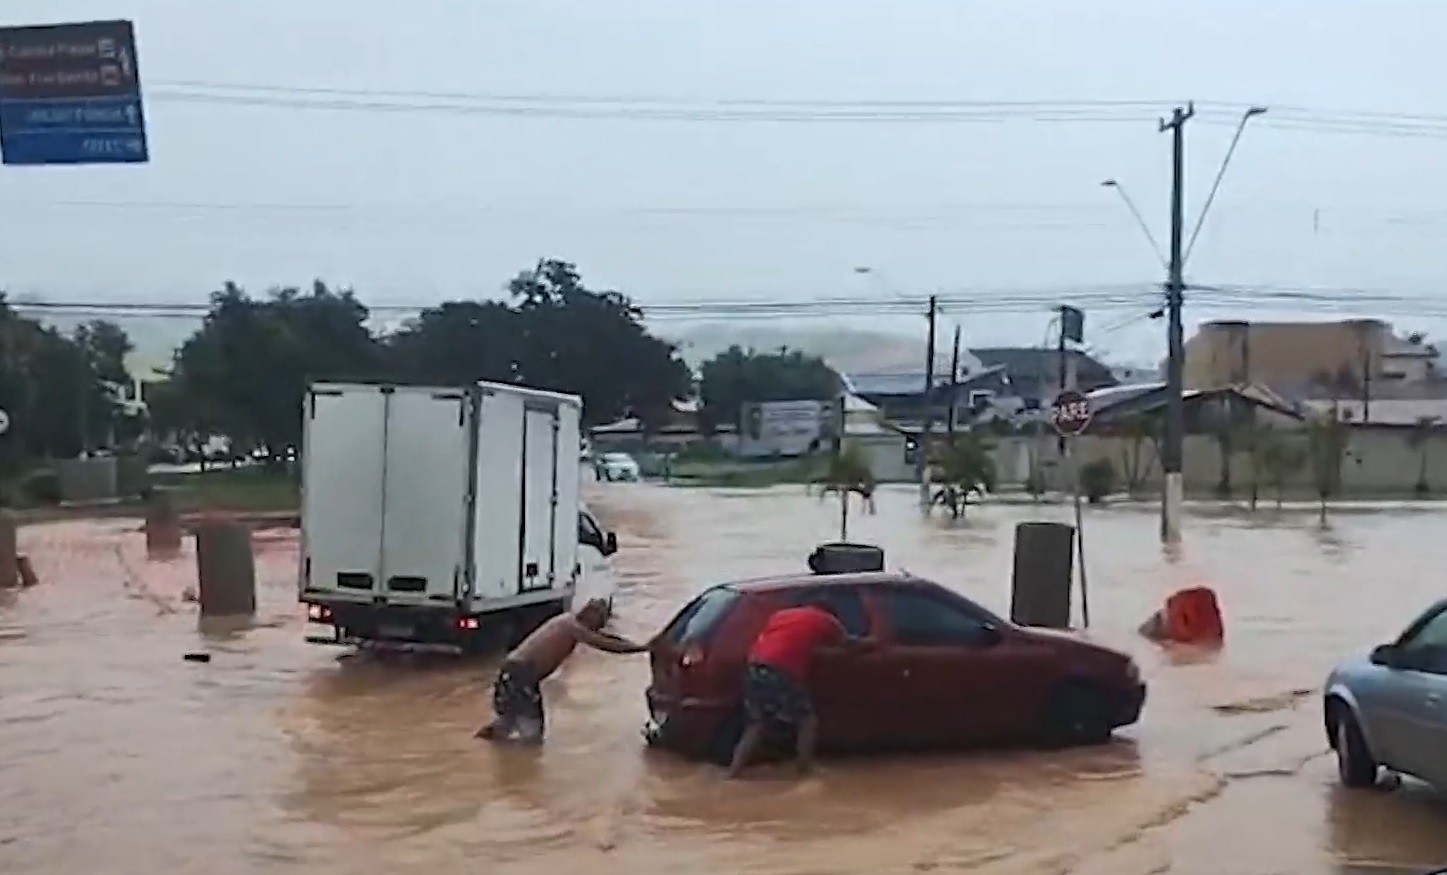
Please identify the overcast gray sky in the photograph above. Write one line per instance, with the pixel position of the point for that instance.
(412, 206)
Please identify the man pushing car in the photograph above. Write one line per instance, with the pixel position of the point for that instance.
(776, 683)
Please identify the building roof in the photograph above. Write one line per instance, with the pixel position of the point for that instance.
(911, 382)
(1034, 364)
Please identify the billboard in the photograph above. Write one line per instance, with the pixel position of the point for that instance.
(781, 428)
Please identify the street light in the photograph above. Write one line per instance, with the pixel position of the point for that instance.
(1140, 220)
(1248, 115)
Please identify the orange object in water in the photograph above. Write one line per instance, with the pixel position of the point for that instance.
(1193, 616)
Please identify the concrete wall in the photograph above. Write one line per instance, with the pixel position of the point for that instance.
(1380, 462)
(84, 480)
(887, 458)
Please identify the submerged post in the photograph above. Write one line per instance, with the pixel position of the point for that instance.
(226, 569)
(1041, 582)
(163, 526)
(9, 556)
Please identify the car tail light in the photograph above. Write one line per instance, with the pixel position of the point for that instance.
(319, 613)
(468, 624)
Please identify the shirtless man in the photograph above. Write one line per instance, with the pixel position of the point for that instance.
(516, 697)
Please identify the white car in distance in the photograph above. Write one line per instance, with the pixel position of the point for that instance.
(618, 467)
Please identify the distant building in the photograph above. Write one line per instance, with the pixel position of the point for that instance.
(1132, 375)
(1312, 359)
(902, 397)
(1034, 372)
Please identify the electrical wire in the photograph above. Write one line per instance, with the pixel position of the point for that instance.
(654, 108)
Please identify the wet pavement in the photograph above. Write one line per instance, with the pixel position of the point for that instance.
(277, 757)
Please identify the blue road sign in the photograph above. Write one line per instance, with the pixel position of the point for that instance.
(71, 94)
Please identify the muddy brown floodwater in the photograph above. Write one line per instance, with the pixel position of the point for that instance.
(118, 757)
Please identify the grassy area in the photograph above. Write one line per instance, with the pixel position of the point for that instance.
(243, 489)
(743, 473)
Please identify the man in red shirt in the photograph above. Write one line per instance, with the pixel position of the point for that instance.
(776, 687)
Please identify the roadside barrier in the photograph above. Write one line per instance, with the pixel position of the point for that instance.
(1190, 616)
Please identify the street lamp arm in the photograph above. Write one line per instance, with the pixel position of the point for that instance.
(1139, 219)
(1220, 174)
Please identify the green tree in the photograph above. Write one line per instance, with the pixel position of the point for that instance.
(846, 472)
(555, 334)
(50, 388)
(248, 367)
(737, 375)
(1326, 449)
(961, 469)
(104, 347)
(460, 342)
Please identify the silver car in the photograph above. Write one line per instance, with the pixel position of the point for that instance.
(1390, 710)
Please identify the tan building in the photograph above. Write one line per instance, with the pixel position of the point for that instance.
(1295, 357)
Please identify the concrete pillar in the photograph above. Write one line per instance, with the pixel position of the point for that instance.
(1041, 582)
(9, 557)
(225, 568)
(163, 526)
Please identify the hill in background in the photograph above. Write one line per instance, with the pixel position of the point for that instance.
(852, 350)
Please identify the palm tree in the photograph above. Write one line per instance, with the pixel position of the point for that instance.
(847, 472)
(962, 469)
(1420, 439)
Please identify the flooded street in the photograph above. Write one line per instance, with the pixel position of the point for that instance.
(277, 757)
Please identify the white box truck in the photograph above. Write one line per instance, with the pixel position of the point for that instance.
(443, 517)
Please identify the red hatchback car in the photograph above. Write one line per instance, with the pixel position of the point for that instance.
(944, 672)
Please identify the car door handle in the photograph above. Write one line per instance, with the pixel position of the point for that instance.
(905, 673)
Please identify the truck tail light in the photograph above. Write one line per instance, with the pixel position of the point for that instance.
(319, 613)
(468, 624)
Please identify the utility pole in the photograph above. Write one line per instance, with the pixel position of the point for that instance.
(921, 462)
(954, 387)
(1173, 448)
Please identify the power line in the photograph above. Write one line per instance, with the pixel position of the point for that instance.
(656, 108)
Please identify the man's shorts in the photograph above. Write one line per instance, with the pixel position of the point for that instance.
(775, 698)
(515, 694)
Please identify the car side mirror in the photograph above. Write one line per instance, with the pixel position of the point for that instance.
(1385, 654)
(610, 544)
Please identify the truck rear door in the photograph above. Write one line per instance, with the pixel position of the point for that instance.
(540, 501)
(425, 495)
(344, 445)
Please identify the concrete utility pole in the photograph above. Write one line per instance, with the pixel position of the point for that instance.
(1173, 445)
(951, 415)
(921, 461)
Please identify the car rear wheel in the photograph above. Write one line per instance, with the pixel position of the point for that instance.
(1078, 714)
(1354, 763)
